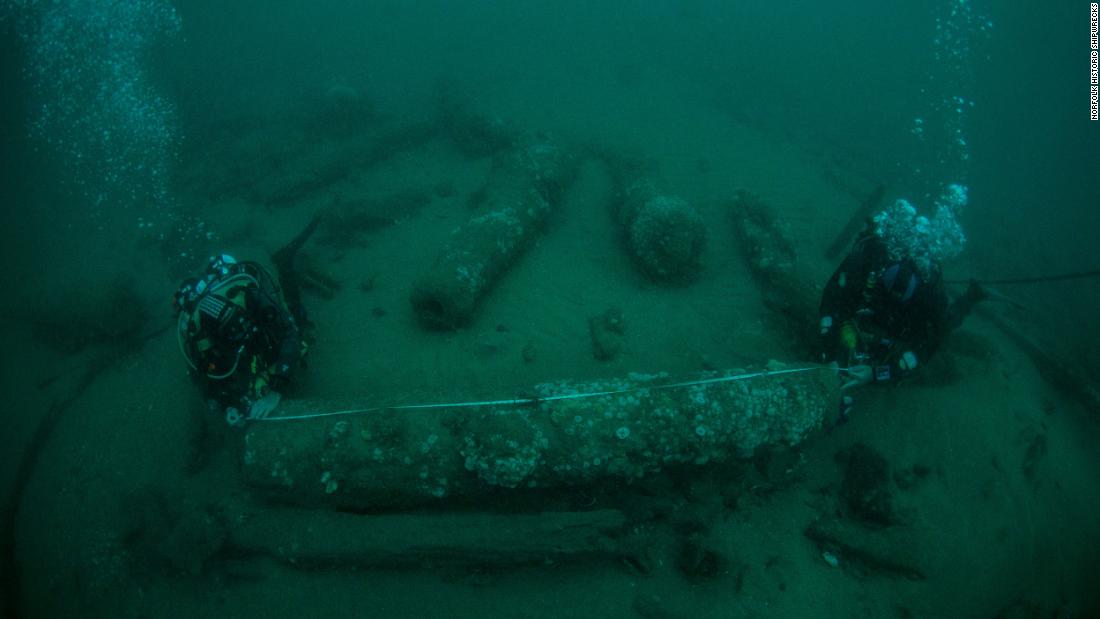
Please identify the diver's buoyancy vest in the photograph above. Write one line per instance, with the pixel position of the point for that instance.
(219, 318)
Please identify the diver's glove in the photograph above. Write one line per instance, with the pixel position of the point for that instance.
(858, 375)
(908, 361)
(261, 408)
(233, 417)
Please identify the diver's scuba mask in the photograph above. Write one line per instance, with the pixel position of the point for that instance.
(220, 265)
(900, 279)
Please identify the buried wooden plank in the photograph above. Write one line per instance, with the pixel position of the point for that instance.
(859, 218)
(322, 538)
(886, 551)
(1062, 376)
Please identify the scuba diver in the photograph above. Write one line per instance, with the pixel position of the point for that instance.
(885, 310)
(238, 336)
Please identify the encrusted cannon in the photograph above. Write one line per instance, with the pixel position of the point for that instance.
(567, 434)
(773, 262)
(524, 186)
(664, 234)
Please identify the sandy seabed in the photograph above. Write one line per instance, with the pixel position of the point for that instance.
(1004, 519)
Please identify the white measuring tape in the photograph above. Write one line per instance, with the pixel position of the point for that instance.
(530, 401)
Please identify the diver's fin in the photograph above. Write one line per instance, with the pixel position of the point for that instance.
(288, 279)
(285, 255)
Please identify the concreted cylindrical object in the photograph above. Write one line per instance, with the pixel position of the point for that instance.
(663, 232)
(773, 262)
(526, 183)
(562, 436)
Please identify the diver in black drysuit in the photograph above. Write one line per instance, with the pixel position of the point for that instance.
(881, 319)
(238, 337)
(241, 332)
